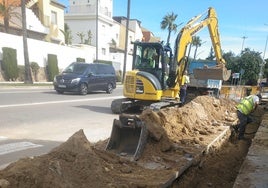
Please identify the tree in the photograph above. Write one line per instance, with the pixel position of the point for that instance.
(89, 37)
(211, 55)
(28, 74)
(81, 35)
(230, 59)
(67, 34)
(7, 11)
(35, 68)
(265, 71)
(249, 62)
(196, 41)
(168, 23)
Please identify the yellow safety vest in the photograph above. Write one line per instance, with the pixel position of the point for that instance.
(246, 106)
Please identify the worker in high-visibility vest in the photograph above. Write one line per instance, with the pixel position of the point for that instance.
(183, 90)
(246, 106)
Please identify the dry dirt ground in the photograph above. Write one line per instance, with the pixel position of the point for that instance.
(177, 136)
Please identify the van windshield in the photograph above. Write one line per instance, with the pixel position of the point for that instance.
(76, 68)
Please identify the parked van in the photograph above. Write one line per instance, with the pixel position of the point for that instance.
(85, 77)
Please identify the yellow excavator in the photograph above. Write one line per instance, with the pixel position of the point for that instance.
(155, 81)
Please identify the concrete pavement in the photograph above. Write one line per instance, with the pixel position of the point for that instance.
(254, 171)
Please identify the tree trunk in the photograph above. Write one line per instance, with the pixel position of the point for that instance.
(168, 38)
(28, 75)
(195, 51)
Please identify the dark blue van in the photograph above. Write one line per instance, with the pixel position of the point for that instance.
(85, 77)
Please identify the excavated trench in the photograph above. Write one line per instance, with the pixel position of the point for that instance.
(220, 166)
(190, 146)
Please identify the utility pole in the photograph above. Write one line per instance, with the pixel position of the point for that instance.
(28, 75)
(126, 41)
(263, 59)
(97, 30)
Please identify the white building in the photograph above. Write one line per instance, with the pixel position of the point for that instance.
(108, 35)
(81, 18)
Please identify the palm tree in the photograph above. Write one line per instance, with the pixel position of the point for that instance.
(168, 23)
(28, 74)
(67, 34)
(211, 54)
(196, 41)
(81, 35)
(7, 11)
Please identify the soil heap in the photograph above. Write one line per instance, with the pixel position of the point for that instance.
(176, 135)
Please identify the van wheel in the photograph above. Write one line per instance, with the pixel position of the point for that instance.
(83, 89)
(109, 88)
(60, 92)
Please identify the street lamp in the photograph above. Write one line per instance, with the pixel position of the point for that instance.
(244, 38)
(265, 45)
(263, 59)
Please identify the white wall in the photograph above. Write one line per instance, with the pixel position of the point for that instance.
(38, 51)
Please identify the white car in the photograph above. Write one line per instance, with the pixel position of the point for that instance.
(264, 94)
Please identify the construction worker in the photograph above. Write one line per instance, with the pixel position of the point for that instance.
(183, 89)
(246, 106)
(151, 56)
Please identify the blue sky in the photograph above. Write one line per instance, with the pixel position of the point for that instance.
(237, 19)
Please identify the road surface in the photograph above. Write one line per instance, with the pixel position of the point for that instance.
(33, 121)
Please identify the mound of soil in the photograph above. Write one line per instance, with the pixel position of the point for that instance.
(176, 135)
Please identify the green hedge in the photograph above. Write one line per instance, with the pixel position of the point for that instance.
(10, 64)
(52, 66)
(104, 61)
(79, 59)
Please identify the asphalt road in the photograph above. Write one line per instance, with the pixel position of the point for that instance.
(35, 120)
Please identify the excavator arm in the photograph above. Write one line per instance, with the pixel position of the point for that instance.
(184, 38)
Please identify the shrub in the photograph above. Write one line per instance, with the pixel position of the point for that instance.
(104, 61)
(118, 76)
(79, 59)
(10, 64)
(52, 66)
(35, 68)
(21, 73)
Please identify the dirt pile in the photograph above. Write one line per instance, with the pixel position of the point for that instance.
(175, 136)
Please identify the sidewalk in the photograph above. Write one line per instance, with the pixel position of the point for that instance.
(254, 171)
(21, 85)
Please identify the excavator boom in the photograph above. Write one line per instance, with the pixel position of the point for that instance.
(218, 72)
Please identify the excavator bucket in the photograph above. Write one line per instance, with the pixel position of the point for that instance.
(128, 137)
(214, 73)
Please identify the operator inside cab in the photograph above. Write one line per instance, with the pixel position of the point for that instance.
(150, 57)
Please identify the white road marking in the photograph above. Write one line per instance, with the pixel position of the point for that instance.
(3, 138)
(56, 102)
(17, 146)
(17, 91)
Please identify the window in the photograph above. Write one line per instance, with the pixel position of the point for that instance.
(54, 17)
(103, 51)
